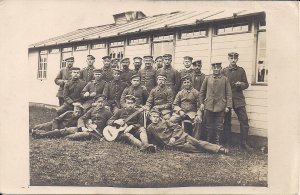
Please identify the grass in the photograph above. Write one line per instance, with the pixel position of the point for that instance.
(61, 162)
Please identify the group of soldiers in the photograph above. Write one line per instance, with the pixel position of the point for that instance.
(155, 102)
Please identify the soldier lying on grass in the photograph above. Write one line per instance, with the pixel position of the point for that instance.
(172, 136)
(60, 126)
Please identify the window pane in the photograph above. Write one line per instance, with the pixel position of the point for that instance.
(262, 66)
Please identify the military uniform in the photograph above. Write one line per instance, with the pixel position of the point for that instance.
(148, 78)
(72, 93)
(185, 72)
(86, 74)
(113, 92)
(107, 74)
(215, 94)
(126, 75)
(140, 92)
(93, 86)
(161, 98)
(60, 126)
(197, 79)
(138, 130)
(235, 74)
(164, 131)
(63, 75)
(173, 78)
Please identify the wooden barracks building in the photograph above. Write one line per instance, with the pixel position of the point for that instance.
(205, 35)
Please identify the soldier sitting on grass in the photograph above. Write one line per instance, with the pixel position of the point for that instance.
(60, 126)
(172, 136)
(135, 125)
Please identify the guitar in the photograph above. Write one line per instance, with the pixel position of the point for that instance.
(111, 133)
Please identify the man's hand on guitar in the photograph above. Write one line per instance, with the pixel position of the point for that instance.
(84, 129)
(120, 122)
(128, 128)
(172, 140)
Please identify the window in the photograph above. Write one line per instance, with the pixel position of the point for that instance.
(232, 28)
(163, 37)
(116, 52)
(42, 67)
(137, 41)
(80, 47)
(54, 50)
(162, 48)
(98, 46)
(193, 33)
(261, 63)
(116, 43)
(66, 53)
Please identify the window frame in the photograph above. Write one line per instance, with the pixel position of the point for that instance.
(98, 43)
(193, 31)
(164, 40)
(138, 43)
(256, 82)
(81, 49)
(62, 62)
(232, 24)
(42, 65)
(118, 45)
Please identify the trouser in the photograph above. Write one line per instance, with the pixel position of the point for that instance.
(87, 105)
(65, 107)
(193, 145)
(61, 101)
(132, 135)
(244, 125)
(214, 124)
(58, 133)
(44, 126)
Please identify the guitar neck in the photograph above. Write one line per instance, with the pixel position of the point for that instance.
(133, 115)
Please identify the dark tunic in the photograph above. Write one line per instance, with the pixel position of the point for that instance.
(72, 90)
(235, 74)
(87, 74)
(197, 79)
(148, 78)
(140, 92)
(113, 92)
(161, 97)
(124, 113)
(125, 75)
(63, 74)
(67, 119)
(107, 74)
(173, 78)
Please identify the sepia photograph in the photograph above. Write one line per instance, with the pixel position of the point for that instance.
(168, 97)
(147, 99)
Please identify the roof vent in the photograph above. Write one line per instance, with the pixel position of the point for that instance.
(129, 16)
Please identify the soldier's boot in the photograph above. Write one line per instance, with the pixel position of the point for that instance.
(244, 144)
(218, 136)
(223, 150)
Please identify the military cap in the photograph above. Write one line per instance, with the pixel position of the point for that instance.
(148, 57)
(216, 64)
(188, 58)
(130, 97)
(74, 68)
(70, 59)
(135, 58)
(155, 110)
(135, 76)
(106, 57)
(117, 70)
(186, 77)
(158, 57)
(78, 105)
(162, 74)
(125, 60)
(167, 56)
(233, 54)
(199, 62)
(97, 71)
(90, 56)
(101, 96)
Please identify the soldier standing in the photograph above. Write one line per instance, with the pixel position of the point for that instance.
(113, 91)
(126, 73)
(93, 89)
(173, 76)
(62, 77)
(148, 74)
(137, 90)
(137, 62)
(72, 91)
(238, 81)
(161, 97)
(215, 99)
(86, 73)
(106, 70)
(159, 62)
(197, 76)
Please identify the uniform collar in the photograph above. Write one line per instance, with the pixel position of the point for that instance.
(197, 72)
(167, 67)
(106, 68)
(90, 67)
(233, 67)
(217, 76)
